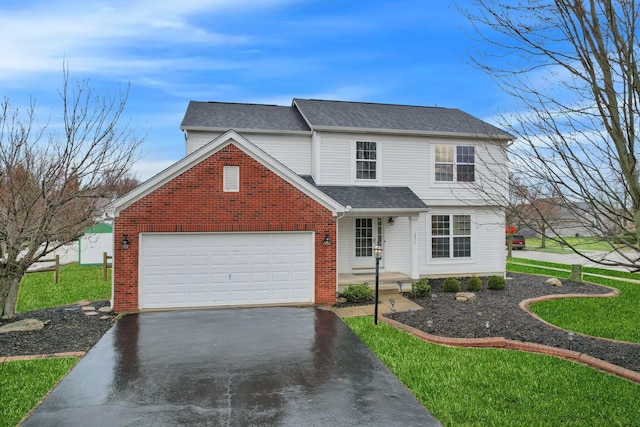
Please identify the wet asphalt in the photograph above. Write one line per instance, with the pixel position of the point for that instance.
(276, 366)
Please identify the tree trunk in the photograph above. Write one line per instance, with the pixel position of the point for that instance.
(9, 286)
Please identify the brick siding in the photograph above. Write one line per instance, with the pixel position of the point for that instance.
(194, 202)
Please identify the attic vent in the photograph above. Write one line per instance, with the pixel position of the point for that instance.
(231, 179)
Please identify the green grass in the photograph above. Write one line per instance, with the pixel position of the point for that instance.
(24, 383)
(38, 290)
(583, 243)
(615, 318)
(491, 387)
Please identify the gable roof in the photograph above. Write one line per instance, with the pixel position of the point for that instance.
(329, 115)
(306, 115)
(229, 137)
(228, 115)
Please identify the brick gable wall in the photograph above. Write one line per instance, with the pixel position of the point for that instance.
(195, 202)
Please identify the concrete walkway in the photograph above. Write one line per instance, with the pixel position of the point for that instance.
(400, 304)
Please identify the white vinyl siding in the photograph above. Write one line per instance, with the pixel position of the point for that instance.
(294, 151)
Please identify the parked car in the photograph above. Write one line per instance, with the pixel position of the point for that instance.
(518, 241)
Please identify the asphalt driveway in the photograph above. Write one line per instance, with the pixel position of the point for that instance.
(281, 366)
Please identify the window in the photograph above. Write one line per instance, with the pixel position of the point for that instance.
(366, 158)
(231, 179)
(450, 236)
(455, 163)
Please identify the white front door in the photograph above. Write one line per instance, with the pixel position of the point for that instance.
(367, 232)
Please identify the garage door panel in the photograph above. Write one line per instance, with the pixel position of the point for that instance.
(209, 269)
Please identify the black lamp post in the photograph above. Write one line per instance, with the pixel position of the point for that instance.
(378, 253)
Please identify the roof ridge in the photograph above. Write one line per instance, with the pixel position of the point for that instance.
(375, 103)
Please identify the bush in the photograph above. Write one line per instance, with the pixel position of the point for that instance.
(497, 283)
(451, 284)
(420, 289)
(475, 284)
(357, 293)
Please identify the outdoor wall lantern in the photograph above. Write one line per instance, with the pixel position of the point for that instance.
(391, 220)
(326, 240)
(125, 241)
(377, 251)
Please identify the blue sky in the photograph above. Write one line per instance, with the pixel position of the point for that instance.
(259, 51)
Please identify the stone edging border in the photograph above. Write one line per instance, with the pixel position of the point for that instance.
(501, 342)
(42, 356)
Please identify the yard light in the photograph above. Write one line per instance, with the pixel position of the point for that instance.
(378, 253)
(125, 241)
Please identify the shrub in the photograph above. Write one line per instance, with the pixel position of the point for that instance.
(475, 284)
(497, 283)
(420, 289)
(451, 284)
(357, 293)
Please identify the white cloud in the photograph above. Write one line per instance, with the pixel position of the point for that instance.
(100, 38)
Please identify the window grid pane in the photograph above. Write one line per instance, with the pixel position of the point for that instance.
(440, 225)
(461, 247)
(461, 225)
(440, 247)
(466, 173)
(366, 156)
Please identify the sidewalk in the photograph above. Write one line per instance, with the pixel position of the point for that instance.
(385, 307)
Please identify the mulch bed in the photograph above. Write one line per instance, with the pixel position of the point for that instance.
(66, 329)
(451, 318)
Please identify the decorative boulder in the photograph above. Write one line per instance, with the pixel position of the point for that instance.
(22, 326)
(465, 296)
(554, 282)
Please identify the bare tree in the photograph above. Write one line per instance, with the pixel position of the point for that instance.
(571, 67)
(50, 180)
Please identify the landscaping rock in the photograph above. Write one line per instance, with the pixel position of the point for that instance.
(88, 308)
(105, 317)
(341, 300)
(83, 302)
(91, 313)
(106, 309)
(465, 296)
(22, 325)
(553, 282)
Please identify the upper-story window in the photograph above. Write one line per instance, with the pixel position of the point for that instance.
(366, 160)
(455, 163)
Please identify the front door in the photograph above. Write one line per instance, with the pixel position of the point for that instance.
(367, 233)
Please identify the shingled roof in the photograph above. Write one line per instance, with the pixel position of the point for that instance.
(390, 198)
(228, 115)
(363, 115)
(311, 114)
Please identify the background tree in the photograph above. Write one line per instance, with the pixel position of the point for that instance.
(51, 180)
(572, 68)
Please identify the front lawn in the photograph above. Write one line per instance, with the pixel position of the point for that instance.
(582, 243)
(491, 387)
(38, 290)
(615, 318)
(25, 383)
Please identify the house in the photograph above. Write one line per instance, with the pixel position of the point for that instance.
(285, 204)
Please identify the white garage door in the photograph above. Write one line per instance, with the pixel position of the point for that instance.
(214, 269)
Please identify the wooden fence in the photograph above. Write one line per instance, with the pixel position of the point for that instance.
(55, 268)
(105, 265)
